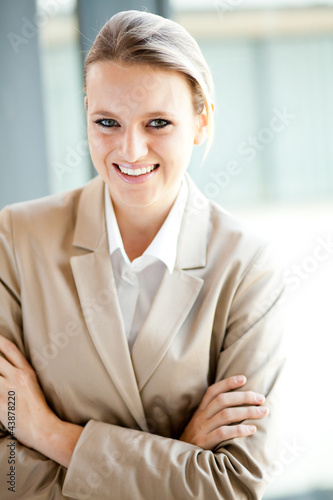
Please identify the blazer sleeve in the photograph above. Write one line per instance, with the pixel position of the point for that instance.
(36, 476)
(114, 462)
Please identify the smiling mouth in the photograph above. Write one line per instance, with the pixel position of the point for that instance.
(137, 171)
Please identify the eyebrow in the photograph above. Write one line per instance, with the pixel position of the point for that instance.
(146, 115)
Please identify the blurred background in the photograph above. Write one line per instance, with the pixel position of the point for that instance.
(271, 163)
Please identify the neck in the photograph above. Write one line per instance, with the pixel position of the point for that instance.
(138, 226)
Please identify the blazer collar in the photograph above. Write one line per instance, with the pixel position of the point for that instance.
(90, 229)
(193, 238)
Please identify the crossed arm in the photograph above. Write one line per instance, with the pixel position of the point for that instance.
(42, 430)
(104, 460)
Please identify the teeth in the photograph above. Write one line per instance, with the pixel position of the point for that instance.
(137, 171)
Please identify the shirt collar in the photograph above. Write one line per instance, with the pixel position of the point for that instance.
(164, 245)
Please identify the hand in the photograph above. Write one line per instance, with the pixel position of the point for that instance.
(36, 425)
(219, 408)
(31, 410)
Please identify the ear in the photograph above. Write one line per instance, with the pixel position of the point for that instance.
(201, 129)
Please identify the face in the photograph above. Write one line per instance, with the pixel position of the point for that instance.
(141, 130)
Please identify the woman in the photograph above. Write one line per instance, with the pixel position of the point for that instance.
(140, 305)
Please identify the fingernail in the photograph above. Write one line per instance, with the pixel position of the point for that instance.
(260, 398)
(251, 428)
(239, 379)
(263, 410)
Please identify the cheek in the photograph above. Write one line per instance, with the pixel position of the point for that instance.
(99, 144)
(177, 154)
(179, 142)
(183, 143)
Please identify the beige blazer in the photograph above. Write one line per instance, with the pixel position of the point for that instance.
(214, 317)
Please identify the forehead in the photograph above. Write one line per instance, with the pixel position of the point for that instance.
(137, 86)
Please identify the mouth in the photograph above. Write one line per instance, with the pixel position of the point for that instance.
(136, 172)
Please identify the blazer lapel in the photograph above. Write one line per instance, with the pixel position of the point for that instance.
(172, 303)
(177, 292)
(96, 289)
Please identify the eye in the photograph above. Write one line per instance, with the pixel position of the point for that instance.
(159, 123)
(107, 123)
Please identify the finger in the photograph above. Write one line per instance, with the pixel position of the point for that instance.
(12, 353)
(222, 386)
(231, 399)
(224, 433)
(232, 415)
(6, 369)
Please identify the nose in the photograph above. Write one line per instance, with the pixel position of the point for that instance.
(132, 145)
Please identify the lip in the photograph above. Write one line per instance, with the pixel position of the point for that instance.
(131, 179)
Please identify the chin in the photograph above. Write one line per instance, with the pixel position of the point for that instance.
(133, 199)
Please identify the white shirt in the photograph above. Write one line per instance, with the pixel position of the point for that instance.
(137, 281)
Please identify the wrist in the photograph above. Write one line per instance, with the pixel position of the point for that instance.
(58, 441)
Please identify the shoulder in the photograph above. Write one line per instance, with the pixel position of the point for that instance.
(225, 234)
(232, 252)
(44, 216)
(41, 210)
(233, 231)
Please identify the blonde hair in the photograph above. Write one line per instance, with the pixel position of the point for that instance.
(143, 38)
